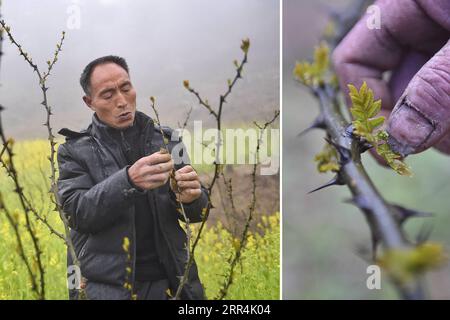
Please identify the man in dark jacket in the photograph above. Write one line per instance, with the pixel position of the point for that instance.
(114, 186)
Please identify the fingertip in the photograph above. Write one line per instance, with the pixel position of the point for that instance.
(186, 169)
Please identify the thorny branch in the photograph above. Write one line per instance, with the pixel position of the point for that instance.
(229, 279)
(13, 174)
(176, 187)
(42, 77)
(186, 120)
(9, 165)
(7, 145)
(385, 220)
(14, 222)
(217, 114)
(229, 192)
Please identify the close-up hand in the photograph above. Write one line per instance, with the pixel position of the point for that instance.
(187, 185)
(151, 171)
(412, 44)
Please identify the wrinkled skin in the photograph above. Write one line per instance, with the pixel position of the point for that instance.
(112, 96)
(413, 43)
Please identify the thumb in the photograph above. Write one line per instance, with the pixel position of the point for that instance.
(421, 117)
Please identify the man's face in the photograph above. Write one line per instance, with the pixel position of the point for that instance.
(112, 97)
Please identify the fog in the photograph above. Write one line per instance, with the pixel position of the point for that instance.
(164, 42)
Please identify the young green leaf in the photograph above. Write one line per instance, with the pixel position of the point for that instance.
(327, 159)
(365, 120)
(364, 110)
(245, 45)
(393, 159)
(406, 264)
(313, 74)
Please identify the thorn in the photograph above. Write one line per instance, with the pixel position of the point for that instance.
(336, 181)
(349, 131)
(424, 233)
(375, 242)
(373, 233)
(318, 123)
(363, 145)
(405, 213)
(344, 154)
(363, 253)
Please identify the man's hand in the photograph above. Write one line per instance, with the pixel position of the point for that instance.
(152, 171)
(413, 44)
(187, 187)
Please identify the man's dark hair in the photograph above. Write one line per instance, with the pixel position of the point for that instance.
(85, 79)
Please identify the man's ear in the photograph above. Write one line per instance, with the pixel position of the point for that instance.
(88, 101)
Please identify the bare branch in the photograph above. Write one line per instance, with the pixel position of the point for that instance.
(177, 193)
(186, 120)
(243, 240)
(21, 249)
(384, 219)
(51, 138)
(11, 170)
(217, 166)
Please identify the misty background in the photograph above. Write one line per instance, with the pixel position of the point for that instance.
(321, 233)
(164, 43)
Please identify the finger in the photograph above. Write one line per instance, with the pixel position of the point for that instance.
(444, 144)
(162, 167)
(157, 168)
(159, 177)
(422, 115)
(194, 184)
(365, 54)
(403, 74)
(156, 158)
(191, 192)
(186, 176)
(185, 169)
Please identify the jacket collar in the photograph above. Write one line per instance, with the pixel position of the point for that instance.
(104, 135)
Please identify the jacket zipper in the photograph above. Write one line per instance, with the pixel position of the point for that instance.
(83, 249)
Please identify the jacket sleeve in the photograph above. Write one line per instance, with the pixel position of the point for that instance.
(91, 208)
